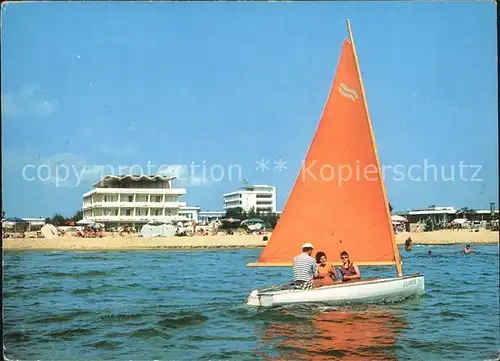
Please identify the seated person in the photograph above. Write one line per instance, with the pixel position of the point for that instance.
(348, 270)
(327, 274)
(304, 268)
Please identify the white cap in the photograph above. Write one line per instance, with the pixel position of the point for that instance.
(307, 245)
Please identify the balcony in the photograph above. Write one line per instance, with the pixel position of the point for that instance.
(139, 218)
(134, 205)
(153, 191)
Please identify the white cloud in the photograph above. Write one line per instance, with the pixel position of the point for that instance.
(187, 176)
(29, 100)
(66, 170)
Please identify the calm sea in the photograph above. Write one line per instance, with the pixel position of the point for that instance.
(189, 305)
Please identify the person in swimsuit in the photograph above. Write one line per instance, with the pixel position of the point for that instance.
(348, 270)
(326, 272)
(408, 244)
(467, 250)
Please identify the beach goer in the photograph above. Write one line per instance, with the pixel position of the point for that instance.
(326, 272)
(467, 249)
(305, 268)
(348, 270)
(429, 253)
(408, 244)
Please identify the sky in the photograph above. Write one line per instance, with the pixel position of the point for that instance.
(91, 87)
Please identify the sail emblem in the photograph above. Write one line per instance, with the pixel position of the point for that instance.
(348, 92)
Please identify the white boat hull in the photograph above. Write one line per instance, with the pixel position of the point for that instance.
(354, 292)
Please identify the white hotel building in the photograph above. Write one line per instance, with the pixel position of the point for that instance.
(261, 198)
(136, 200)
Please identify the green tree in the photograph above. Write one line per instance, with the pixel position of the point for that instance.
(77, 216)
(3, 214)
(236, 212)
(57, 219)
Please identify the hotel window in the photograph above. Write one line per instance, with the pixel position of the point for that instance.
(130, 198)
(158, 199)
(128, 212)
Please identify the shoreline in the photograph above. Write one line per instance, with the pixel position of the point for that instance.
(134, 243)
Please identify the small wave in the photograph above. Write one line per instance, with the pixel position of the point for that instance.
(91, 274)
(147, 333)
(92, 258)
(107, 345)
(60, 318)
(200, 338)
(70, 333)
(16, 336)
(183, 320)
(15, 277)
(84, 291)
(121, 317)
(55, 274)
(49, 290)
(452, 314)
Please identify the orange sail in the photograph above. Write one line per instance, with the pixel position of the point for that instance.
(338, 202)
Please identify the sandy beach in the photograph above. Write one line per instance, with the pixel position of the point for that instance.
(220, 241)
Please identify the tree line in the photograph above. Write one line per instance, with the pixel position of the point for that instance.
(238, 213)
(59, 220)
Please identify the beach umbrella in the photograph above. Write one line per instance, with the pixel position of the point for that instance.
(253, 220)
(15, 219)
(85, 221)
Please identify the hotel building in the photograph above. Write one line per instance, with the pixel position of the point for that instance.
(136, 200)
(261, 198)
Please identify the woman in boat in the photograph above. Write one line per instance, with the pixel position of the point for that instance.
(348, 270)
(326, 271)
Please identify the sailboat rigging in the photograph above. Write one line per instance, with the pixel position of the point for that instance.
(341, 177)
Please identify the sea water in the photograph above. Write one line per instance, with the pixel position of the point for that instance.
(189, 305)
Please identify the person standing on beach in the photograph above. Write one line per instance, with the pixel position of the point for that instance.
(305, 268)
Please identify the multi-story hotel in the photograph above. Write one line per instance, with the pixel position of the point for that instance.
(136, 200)
(261, 198)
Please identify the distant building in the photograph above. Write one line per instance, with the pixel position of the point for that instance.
(447, 214)
(261, 198)
(35, 221)
(484, 215)
(136, 200)
(210, 216)
(436, 214)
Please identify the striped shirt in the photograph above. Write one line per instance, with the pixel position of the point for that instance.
(304, 267)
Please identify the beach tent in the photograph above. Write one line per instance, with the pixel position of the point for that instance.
(49, 231)
(398, 219)
(160, 230)
(460, 221)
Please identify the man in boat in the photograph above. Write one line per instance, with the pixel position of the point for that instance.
(305, 268)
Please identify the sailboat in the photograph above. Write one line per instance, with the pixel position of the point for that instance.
(339, 203)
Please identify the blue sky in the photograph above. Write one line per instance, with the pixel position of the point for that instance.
(90, 84)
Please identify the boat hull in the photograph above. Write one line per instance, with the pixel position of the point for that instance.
(379, 290)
